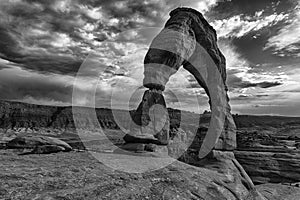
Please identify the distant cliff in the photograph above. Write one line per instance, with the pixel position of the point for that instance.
(22, 117)
(16, 115)
(28, 117)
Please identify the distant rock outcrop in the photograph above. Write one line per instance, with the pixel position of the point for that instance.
(270, 167)
(268, 157)
(19, 117)
(39, 144)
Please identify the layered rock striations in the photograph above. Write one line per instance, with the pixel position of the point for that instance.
(187, 39)
(269, 153)
(22, 117)
(150, 122)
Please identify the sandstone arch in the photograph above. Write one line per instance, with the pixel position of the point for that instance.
(188, 40)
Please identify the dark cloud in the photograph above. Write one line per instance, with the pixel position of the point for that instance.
(242, 98)
(296, 90)
(247, 97)
(236, 82)
(35, 88)
(270, 16)
(3, 66)
(252, 49)
(266, 84)
(111, 71)
(228, 8)
(262, 95)
(193, 82)
(125, 9)
(170, 96)
(34, 54)
(29, 29)
(8, 45)
(47, 64)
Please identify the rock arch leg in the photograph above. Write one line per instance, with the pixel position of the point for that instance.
(227, 140)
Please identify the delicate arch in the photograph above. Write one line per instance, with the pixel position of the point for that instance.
(189, 40)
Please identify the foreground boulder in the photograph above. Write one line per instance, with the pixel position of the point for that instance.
(39, 144)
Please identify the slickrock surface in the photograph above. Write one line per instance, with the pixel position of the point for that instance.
(77, 175)
(267, 148)
(270, 167)
(279, 192)
(268, 153)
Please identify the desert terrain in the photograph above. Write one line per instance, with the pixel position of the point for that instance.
(268, 150)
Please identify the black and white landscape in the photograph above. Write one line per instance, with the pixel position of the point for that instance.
(149, 99)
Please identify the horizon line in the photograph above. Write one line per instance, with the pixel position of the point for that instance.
(85, 106)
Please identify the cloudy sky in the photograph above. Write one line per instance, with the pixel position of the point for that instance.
(50, 48)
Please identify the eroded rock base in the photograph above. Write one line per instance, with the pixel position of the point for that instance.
(149, 131)
(142, 149)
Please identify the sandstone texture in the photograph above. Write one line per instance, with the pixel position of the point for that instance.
(270, 167)
(150, 122)
(267, 148)
(279, 192)
(78, 175)
(187, 39)
(81, 176)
